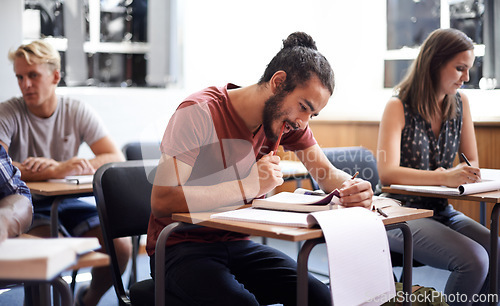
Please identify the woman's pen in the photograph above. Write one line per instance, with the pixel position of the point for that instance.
(466, 161)
(355, 174)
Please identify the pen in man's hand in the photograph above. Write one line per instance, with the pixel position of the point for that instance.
(355, 174)
(276, 145)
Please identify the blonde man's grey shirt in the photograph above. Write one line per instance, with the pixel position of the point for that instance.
(58, 137)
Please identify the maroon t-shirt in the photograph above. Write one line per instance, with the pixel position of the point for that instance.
(206, 133)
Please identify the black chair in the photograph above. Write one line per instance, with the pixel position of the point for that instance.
(362, 160)
(123, 196)
(141, 150)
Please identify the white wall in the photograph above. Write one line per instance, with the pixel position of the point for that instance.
(233, 41)
(11, 37)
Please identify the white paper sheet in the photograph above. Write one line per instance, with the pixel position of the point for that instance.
(358, 256)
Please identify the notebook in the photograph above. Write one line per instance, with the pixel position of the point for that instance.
(490, 182)
(75, 179)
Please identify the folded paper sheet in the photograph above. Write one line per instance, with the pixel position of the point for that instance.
(358, 256)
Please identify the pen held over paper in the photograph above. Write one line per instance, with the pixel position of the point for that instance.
(337, 194)
(466, 161)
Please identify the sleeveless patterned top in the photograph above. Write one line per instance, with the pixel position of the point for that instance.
(420, 149)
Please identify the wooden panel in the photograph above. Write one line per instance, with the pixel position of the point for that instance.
(346, 134)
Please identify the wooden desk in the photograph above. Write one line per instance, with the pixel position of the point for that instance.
(46, 188)
(312, 237)
(484, 197)
(60, 191)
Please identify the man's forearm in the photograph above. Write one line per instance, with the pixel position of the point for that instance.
(166, 200)
(33, 176)
(105, 158)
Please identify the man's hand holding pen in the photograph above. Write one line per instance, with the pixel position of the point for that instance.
(356, 192)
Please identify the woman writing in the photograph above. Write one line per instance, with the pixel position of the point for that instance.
(423, 128)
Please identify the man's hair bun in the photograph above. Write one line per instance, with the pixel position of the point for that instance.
(299, 39)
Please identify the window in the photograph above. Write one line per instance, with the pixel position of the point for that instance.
(409, 22)
(107, 42)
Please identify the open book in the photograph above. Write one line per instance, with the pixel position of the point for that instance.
(300, 200)
(41, 258)
(291, 210)
(307, 201)
(75, 179)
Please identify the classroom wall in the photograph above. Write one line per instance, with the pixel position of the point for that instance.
(227, 41)
(10, 36)
(232, 41)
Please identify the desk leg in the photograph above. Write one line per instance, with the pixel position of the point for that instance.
(44, 292)
(302, 271)
(54, 217)
(482, 213)
(64, 291)
(407, 257)
(494, 250)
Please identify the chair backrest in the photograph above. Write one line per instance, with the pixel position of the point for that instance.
(123, 195)
(141, 150)
(352, 159)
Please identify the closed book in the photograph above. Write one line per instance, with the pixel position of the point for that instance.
(41, 258)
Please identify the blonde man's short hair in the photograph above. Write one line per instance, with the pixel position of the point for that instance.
(38, 52)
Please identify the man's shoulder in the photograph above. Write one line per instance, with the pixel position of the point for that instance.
(14, 101)
(13, 105)
(69, 101)
(207, 94)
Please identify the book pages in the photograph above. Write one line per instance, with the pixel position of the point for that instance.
(251, 214)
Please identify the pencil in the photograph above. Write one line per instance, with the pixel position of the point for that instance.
(355, 174)
(277, 144)
(379, 210)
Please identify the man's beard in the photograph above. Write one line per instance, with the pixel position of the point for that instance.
(272, 112)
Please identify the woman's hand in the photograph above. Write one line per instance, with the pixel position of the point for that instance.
(460, 174)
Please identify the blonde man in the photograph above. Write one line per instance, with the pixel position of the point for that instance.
(42, 132)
